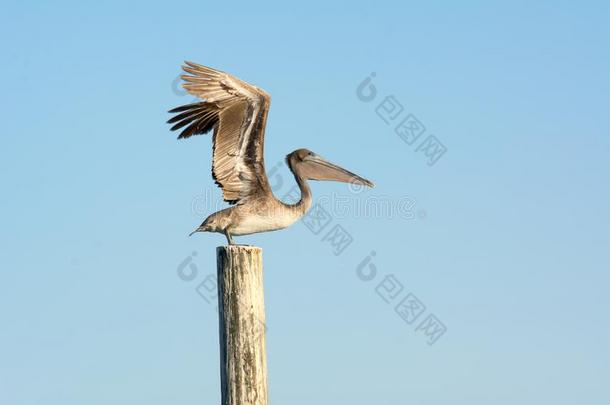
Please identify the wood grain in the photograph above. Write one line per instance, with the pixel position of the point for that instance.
(243, 360)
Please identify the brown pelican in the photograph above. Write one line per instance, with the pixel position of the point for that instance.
(237, 112)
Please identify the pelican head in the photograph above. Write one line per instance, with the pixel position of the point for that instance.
(308, 165)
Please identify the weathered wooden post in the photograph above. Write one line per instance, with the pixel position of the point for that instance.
(243, 360)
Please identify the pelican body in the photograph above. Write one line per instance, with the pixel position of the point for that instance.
(236, 112)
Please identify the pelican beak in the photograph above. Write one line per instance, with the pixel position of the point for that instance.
(315, 167)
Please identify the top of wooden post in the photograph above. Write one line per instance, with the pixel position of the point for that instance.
(239, 248)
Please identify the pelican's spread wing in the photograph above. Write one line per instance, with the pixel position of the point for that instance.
(237, 111)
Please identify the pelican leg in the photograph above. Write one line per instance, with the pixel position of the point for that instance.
(229, 238)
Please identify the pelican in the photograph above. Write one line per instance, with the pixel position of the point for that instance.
(237, 112)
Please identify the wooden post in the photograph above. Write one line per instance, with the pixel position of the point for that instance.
(243, 360)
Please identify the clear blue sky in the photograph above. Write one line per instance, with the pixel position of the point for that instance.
(504, 239)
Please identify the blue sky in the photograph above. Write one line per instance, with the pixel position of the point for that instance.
(504, 240)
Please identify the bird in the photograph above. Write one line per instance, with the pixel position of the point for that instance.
(236, 113)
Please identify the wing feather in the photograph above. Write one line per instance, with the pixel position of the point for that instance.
(237, 112)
